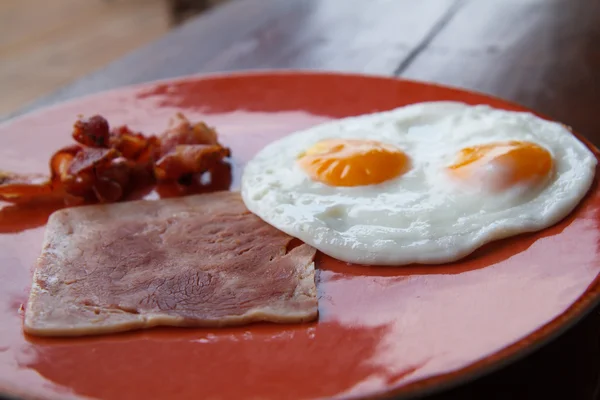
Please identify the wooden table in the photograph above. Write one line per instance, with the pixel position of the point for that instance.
(544, 54)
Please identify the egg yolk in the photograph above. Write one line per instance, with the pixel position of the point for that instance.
(504, 164)
(353, 162)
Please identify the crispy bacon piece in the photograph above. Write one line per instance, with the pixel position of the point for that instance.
(92, 132)
(188, 149)
(134, 145)
(60, 162)
(140, 151)
(218, 178)
(189, 159)
(87, 160)
(181, 132)
(18, 188)
(105, 165)
(96, 173)
(27, 180)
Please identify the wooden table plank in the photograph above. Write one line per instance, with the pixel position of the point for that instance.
(181, 52)
(542, 53)
(368, 37)
(372, 36)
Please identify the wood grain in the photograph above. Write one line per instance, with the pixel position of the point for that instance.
(544, 54)
(345, 35)
(45, 48)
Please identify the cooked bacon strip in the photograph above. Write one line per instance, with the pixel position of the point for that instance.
(61, 161)
(188, 149)
(117, 170)
(140, 151)
(83, 170)
(107, 191)
(23, 187)
(88, 159)
(106, 165)
(218, 178)
(134, 145)
(27, 180)
(92, 132)
(181, 131)
(189, 159)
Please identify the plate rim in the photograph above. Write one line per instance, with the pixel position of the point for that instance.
(526, 345)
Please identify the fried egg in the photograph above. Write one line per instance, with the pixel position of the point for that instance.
(426, 183)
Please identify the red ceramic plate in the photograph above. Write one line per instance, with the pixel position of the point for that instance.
(381, 331)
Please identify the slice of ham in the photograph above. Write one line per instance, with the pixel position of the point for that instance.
(201, 260)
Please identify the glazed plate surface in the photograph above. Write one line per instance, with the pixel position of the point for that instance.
(381, 331)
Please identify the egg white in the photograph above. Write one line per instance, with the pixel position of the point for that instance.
(422, 216)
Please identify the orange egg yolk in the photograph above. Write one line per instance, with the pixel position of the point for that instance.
(353, 162)
(504, 164)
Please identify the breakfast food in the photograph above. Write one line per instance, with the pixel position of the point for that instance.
(201, 260)
(106, 165)
(425, 183)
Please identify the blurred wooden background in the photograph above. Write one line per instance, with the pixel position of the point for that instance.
(47, 44)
